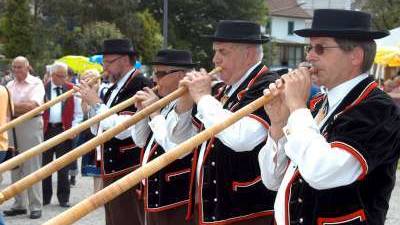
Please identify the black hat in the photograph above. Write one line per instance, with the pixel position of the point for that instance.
(118, 47)
(238, 31)
(173, 57)
(339, 23)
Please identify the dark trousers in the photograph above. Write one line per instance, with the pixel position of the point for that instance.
(126, 209)
(63, 188)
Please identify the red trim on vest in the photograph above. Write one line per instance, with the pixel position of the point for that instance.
(67, 113)
(146, 190)
(287, 196)
(243, 92)
(237, 184)
(357, 215)
(367, 90)
(314, 101)
(124, 148)
(350, 149)
(129, 113)
(259, 119)
(193, 181)
(168, 176)
(240, 218)
(225, 221)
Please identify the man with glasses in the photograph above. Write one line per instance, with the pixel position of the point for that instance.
(229, 187)
(120, 155)
(335, 161)
(166, 193)
(57, 119)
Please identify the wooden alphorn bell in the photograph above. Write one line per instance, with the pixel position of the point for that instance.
(66, 159)
(36, 111)
(120, 186)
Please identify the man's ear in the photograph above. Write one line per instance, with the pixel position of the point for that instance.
(357, 56)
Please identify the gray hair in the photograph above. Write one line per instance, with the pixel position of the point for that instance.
(58, 65)
(368, 46)
(258, 47)
(22, 59)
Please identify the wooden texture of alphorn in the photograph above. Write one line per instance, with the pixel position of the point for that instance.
(70, 133)
(117, 188)
(36, 111)
(72, 155)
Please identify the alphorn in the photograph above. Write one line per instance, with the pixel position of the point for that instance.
(66, 159)
(44, 146)
(36, 111)
(122, 185)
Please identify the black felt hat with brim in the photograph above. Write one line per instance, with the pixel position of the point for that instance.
(344, 24)
(173, 57)
(117, 47)
(238, 31)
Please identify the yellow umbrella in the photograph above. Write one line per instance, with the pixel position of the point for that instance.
(80, 63)
(388, 56)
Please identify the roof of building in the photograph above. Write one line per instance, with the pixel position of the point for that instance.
(286, 8)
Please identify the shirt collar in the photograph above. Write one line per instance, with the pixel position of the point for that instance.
(122, 81)
(54, 85)
(29, 79)
(246, 75)
(337, 94)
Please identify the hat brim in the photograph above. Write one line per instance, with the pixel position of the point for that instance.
(261, 40)
(116, 53)
(348, 34)
(188, 65)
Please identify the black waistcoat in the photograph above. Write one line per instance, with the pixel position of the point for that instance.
(365, 124)
(120, 157)
(230, 183)
(169, 187)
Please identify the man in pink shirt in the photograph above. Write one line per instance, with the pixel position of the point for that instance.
(27, 92)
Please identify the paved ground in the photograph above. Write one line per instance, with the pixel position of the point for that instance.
(84, 188)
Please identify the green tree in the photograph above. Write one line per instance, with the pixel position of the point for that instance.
(146, 33)
(385, 13)
(93, 34)
(17, 28)
(190, 19)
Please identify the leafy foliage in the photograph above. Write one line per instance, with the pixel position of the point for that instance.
(385, 13)
(17, 28)
(48, 29)
(190, 19)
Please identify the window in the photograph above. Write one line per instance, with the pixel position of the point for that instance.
(290, 28)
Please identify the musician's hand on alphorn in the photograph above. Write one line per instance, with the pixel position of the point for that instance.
(145, 98)
(198, 84)
(88, 93)
(297, 88)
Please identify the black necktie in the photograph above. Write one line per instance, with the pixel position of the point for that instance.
(58, 90)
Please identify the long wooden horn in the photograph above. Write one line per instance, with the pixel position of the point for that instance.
(46, 145)
(36, 111)
(66, 159)
(120, 186)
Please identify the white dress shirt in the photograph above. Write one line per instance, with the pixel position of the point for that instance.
(321, 166)
(114, 119)
(55, 115)
(56, 109)
(159, 126)
(242, 136)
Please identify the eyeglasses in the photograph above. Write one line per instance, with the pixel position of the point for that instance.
(318, 48)
(163, 73)
(112, 61)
